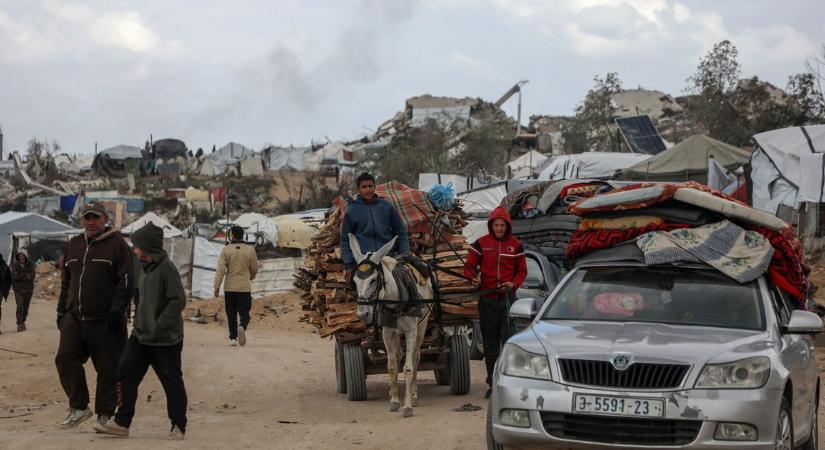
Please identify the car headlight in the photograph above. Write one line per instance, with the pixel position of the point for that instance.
(517, 362)
(746, 373)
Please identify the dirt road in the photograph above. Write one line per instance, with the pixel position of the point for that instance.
(277, 392)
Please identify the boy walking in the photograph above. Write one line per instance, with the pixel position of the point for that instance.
(156, 340)
(498, 260)
(239, 263)
(22, 281)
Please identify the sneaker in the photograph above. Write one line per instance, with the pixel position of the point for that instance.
(241, 336)
(75, 418)
(176, 434)
(111, 428)
(103, 419)
(233, 342)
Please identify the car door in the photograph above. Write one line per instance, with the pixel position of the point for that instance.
(797, 355)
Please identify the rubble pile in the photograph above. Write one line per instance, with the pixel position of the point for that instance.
(330, 304)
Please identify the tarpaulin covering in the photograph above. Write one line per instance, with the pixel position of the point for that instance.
(412, 205)
(777, 170)
(280, 158)
(169, 230)
(591, 165)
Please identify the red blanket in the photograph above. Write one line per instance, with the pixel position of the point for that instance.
(584, 242)
(409, 203)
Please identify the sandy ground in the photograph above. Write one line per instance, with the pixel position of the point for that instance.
(277, 392)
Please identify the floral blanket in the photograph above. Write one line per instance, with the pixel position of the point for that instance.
(740, 254)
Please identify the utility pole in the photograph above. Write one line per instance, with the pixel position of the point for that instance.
(1, 143)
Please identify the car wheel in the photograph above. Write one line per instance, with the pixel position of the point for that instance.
(784, 427)
(340, 374)
(355, 373)
(491, 440)
(813, 436)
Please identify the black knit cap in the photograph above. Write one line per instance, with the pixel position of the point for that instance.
(149, 238)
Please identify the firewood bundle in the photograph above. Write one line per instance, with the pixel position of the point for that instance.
(330, 304)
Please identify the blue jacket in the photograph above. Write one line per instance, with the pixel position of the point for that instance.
(373, 224)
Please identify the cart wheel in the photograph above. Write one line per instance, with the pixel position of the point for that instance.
(356, 377)
(442, 376)
(340, 371)
(459, 366)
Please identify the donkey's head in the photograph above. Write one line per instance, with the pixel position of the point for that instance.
(369, 278)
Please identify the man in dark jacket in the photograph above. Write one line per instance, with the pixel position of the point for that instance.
(157, 337)
(22, 281)
(497, 262)
(374, 222)
(5, 282)
(94, 292)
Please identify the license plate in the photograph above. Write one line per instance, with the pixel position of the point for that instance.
(618, 406)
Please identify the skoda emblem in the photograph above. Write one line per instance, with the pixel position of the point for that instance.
(621, 362)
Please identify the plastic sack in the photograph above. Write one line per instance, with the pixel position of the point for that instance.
(442, 196)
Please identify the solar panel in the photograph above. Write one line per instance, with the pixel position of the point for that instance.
(640, 134)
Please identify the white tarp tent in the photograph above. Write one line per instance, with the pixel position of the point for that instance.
(281, 158)
(484, 200)
(11, 222)
(786, 167)
(590, 165)
(334, 153)
(524, 165)
(227, 155)
(169, 230)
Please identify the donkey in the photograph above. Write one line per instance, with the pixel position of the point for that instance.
(374, 280)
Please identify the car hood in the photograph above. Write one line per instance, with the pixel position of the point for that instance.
(647, 342)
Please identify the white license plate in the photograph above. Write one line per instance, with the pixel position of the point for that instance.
(618, 406)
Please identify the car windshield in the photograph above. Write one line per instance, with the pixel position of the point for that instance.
(684, 296)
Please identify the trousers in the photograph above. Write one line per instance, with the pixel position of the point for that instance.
(237, 304)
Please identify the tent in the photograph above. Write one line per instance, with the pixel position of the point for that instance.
(169, 230)
(589, 166)
(787, 166)
(332, 154)
(481, 202)
(228, 155)
(118, 160)
(283, 158)
(687, 160)
(11, 222)
(169, 149)
(524, 165)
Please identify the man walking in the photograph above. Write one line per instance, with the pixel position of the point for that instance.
(497, 262)
(239, 263)
(5, 282)
(157, 337)
(94, 292)
(373, 221)
(22, 281)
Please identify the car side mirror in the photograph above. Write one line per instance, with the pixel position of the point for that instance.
(524, 308)
(802, 322)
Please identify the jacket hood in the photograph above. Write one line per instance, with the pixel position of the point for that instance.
(500, 213)
(361, 200)
(23, 252)
(149, 238)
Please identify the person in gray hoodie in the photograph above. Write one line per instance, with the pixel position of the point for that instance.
(157, 337)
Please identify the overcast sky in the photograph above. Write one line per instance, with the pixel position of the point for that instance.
(209, 72)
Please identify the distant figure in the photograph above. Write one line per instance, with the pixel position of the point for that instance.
(5, 282)
(22, 281)
(91, 314)
(239, 263)
(156, 340)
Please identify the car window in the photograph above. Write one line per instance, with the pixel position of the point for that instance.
(663, 294)
(535, 277)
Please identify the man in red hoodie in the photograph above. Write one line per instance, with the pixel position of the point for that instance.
(497, 263)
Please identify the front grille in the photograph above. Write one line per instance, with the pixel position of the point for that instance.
(637, 376)
(620, 430)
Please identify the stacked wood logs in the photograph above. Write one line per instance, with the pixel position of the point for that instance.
(330, 304)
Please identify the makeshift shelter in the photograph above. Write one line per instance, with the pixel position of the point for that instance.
(284, 158)
(252, 166)
(11, 222)
(229, 155)
(786, 167)
(167, 149)
(333, 155)
(525, 165)
(169, 230)
(259, 228)
(118, 161)
(687, 161)
(480, 202)
(590, 165)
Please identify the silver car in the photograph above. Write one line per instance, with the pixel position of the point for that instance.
(623, 355)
